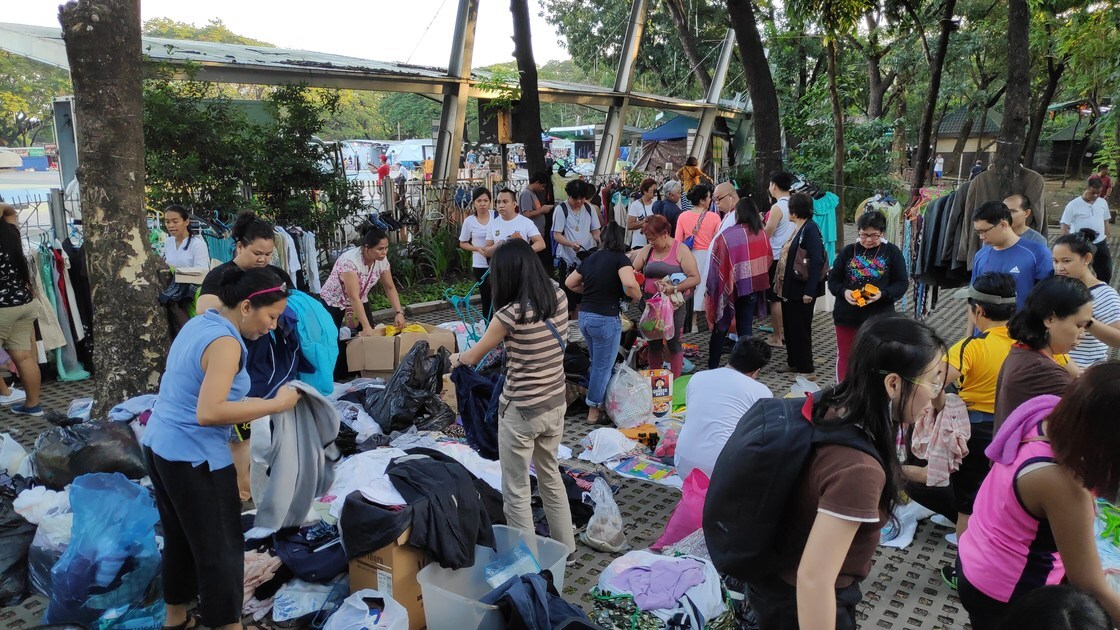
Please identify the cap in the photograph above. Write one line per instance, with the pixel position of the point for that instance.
(971, 293)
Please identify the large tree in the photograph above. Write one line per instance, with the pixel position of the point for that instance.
(936, 61)
(130, 334)
(765, 115)
(1012, 134)
(528, 109)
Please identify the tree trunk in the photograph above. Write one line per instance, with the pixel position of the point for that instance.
(838, 138)
(766, 115)
(1012, 134)
(692, 51)
(129, 328)
(1038, 116)
(925, 131)
(529, 107)
(899, 145)
(952, 165)
(877, 86)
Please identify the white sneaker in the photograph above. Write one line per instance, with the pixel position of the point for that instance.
(951, 539)
(16, 396)
(937, 519)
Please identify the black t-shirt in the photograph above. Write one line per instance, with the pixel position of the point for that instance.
(213, 280)
(13, 290)
(602, 288)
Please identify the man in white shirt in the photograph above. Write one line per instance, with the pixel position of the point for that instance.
(715, 400)
(1090, 211)
(726, 198)
(575, 225)
(938, 168)
(509, 224)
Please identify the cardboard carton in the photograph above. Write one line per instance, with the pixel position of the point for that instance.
(379, 356)
(393, 570)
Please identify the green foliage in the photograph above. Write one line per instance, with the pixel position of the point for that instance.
(28, 87)
(867, 157)
(414, 114)
(214, 31)
(427, 292)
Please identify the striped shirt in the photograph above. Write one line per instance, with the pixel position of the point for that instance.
(1106, 310)
(534, 358)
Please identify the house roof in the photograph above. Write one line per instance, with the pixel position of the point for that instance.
(675, 128)
(954, 121)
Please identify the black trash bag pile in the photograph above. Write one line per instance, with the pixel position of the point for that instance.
(70, 450)
(15, 541)
(411, 397)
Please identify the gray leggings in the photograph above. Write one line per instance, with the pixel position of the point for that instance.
(658, 345)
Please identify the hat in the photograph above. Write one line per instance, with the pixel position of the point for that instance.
(384, 158)
(987, 298)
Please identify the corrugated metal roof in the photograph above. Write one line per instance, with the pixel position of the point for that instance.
(954, 121)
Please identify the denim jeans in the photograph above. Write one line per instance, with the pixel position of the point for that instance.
(602, 335)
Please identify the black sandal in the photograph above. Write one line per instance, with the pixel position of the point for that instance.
(186, 625)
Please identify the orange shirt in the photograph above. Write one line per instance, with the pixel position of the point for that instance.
(686, 222)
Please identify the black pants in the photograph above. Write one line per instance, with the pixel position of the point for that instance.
(974, 467)
(1102, 262)
(775, 604)
(483, 291)
(984, 612)
(938, 499)
(797, 318)
(744, 318)
(203, 549)
(341, 370)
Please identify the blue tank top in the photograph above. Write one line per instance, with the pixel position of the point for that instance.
(173, 431)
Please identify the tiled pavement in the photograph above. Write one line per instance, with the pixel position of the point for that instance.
(904, 589)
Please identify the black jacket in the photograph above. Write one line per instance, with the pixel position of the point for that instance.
(808, 237)
(884, 267)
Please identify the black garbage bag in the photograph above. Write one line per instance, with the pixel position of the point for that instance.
(64, 453)
(15, 541)
(411, 397)
(473, 392)
(577, 361)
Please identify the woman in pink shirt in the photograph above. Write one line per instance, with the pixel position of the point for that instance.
(700, 226)
(1032, 521)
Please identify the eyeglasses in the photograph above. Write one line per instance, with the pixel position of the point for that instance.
(722, 197)
(870, 237)
(935, 388)
(984, 231)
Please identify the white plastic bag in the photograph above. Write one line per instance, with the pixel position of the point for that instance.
(629, 399)
(11, 455)
(604, 530)
(36, 504)
(606, 444)
(803, 387)
(355, 614)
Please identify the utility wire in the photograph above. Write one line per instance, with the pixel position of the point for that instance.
(425, 33)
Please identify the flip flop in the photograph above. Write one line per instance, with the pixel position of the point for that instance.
(768, 329)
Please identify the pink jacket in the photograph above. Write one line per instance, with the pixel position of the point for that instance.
(942, 440)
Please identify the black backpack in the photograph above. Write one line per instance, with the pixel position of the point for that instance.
(754, 480)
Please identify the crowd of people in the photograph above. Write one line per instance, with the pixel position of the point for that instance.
(1023, 400)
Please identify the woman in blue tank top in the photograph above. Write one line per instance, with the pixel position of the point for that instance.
(201, 394)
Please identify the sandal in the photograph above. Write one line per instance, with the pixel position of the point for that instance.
(191, 623)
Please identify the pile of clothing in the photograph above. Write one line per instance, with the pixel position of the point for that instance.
(679, 592)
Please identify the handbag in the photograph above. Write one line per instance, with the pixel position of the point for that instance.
(689, 241)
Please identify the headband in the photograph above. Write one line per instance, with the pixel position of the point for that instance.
(283, 287)
(988, 298)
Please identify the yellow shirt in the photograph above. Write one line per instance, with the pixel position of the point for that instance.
(979, 359)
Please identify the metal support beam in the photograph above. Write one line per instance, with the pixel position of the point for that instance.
(708, 118)
(449, 141)
(611, 140)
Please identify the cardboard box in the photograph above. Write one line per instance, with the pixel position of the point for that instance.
(392, 570)
(379, 356)
(661, 383)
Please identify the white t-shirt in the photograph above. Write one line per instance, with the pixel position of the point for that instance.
(784, 230)
(500, 230)
(939, 165)
(1106, 310)
(576, 226)
(477, 233)
(192, 254)
(1080, 214)
(715, 400)
(727, 222)
(639, 209)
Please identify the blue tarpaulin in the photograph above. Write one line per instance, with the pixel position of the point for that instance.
(674, 129)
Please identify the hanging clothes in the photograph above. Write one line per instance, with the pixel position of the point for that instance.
(221, 249)
(311, 262)
(824, 215)
(986, 188)
(66, 360)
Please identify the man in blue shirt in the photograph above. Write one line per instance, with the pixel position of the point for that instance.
(1004, 251)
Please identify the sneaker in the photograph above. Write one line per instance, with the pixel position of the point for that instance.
(949, 576)
(17, 396)
(937, 519)
(951, 538)
(23, 410)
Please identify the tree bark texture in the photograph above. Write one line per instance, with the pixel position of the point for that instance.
(898, 146)
(692, 52)
(952, 165)
(1038, 116)
(1012, 134)
(529, 107)
(925, 131)
(838, 137)
(766, 116)
(129, 328)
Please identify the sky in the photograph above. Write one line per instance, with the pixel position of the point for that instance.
(381, 30)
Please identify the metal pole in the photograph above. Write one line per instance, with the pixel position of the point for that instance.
(708, 117)
(58, 213)
(611, 140)
(454, 115)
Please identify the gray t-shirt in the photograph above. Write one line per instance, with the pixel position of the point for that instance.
(1034, 235)
(526, 201)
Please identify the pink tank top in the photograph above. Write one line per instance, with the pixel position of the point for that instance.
(658, 268)
(1006, 551)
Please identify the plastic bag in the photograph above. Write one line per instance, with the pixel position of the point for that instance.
(688, 516)
(368, 609)
(606, 444)
(41, 558)
(16, 535)
(109, 575)
(657, 319)
(36, 504)
(802, 387)
(667, 446)
(629, 398)
(64, 453)
(411, 397)
(80, 408)
(604, 530)
(11, 455)
(298, 599)
(515, 562)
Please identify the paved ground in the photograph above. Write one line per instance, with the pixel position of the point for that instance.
(903, 590)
